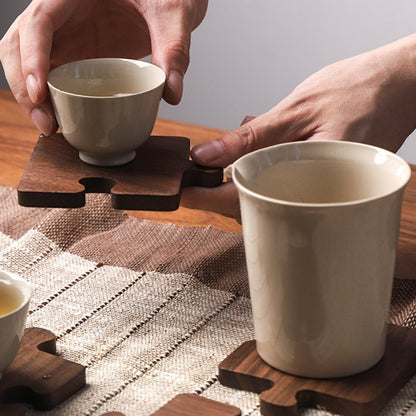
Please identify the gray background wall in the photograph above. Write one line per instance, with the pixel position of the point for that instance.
(249, 54)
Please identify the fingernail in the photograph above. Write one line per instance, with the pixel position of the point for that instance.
(207, 152)
(175, 83)
(43, 121)
(32, 87)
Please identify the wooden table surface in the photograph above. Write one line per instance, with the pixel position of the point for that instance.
(18, 137)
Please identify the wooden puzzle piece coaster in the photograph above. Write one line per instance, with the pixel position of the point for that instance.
(113, 414)
(56, 177)
(37, 376)
(364, 394)
(192, 404)
(12, 410)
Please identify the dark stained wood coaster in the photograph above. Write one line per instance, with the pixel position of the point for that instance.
(37, 376)
(12, 410)
(364, 394)
(56, 177)
(113, 414)
(192, 405)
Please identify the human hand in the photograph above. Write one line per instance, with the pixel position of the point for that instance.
(50, 33)
(369, 98)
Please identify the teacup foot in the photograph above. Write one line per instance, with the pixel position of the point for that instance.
(105, 161)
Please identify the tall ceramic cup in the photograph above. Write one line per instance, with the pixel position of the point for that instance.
(106, 107)
(320, 223)
(15, 295)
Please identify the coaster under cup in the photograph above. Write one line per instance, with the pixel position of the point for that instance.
(56, 177)
(363, 394)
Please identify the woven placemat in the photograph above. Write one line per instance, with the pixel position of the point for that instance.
(150, 309)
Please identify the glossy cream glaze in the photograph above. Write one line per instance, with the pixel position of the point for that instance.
(106, 108)
(321, 268)
(12, 324)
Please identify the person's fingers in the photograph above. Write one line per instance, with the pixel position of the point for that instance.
(41, 114)
(285, 122)
(170, 51)
(25, 52)
(36, 27)
(11, 62)
(222, 199)
(170, 32)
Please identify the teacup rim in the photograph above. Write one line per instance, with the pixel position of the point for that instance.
(230, 172)
(107, 97)
(24, 288)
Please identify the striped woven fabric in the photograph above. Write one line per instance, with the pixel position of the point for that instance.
(150, 309)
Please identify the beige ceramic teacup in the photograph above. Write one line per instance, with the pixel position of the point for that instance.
(106, 107)
(320, 222)
(14, 303)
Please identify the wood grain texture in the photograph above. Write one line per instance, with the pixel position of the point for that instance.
(113, 414)
(192, 405)
(364, 394)
(12, 410)
(406, 250)
(37, 376)
(18, 137)
(56, 177)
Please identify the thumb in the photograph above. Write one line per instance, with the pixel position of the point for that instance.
(170, 25)
(259, 132)
(36, 27)
(170, 51)
(285, 122)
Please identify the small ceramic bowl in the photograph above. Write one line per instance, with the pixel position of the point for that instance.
(15, 296)
(106, 107)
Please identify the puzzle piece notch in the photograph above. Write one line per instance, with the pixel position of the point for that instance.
(56, 177)
(363, 394)
(37, 376)
(192, 404)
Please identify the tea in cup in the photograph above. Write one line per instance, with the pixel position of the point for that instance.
(106, 107)
(15, 295)
(320, 222)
